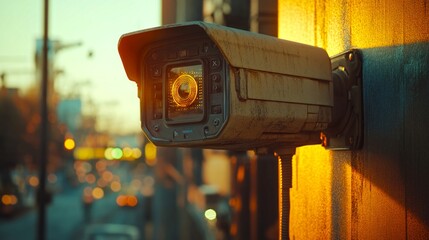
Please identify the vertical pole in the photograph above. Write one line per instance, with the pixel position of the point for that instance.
(43, 128)
(285, 183)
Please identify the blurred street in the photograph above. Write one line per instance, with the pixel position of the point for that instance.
(66, 217)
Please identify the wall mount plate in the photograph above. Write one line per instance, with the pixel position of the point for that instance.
(346, 129)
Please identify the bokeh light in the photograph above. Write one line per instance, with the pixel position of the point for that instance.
(150, 154)
(107, 176)
(127, 152)
(90, 178)
(98, 193)
(100, 166)
(136, 183)
(115, 186)
(126, 200)
(52, 178)
(137, 153)
(33, 181)
(132, 201)
(121, 200)
(108, 154)
(9, 199)
(117, 153)
(69, 144)
(210, 214)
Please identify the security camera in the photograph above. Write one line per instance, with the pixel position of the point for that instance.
(210, 86)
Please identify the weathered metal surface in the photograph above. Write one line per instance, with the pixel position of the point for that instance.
(276, 92)
(260, 52)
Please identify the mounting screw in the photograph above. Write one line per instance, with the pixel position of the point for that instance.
(216, 122)
(156, 128)
(351, 57)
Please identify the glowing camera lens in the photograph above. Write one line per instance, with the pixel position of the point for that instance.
(184, 90)
(185, 95)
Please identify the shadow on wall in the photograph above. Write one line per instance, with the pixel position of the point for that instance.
(395, 157)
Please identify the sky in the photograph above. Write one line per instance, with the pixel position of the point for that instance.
(98, 25)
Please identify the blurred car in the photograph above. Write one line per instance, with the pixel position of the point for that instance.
(8, 204)
(111, 231)
(10, 200)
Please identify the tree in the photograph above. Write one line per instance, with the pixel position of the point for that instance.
(12, 132)
(12, 137)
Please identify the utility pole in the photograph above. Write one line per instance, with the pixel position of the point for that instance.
(43, 128)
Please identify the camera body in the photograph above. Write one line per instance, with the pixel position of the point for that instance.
(210, 86)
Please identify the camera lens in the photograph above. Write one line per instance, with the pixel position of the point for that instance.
(184, 90)
(185, 96)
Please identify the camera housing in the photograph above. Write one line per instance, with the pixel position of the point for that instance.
(210, 86)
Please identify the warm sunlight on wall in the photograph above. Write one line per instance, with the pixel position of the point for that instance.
(324, 182)
(340, 25)
(319, 199)
(306, 22)
(321, 180)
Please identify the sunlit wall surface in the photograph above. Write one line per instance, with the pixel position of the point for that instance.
(380, 191)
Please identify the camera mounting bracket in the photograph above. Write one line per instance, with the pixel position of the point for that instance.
(345, 132)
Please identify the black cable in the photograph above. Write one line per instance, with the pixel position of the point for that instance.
(285, 181)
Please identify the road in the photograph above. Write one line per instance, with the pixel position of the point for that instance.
(66, 218)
